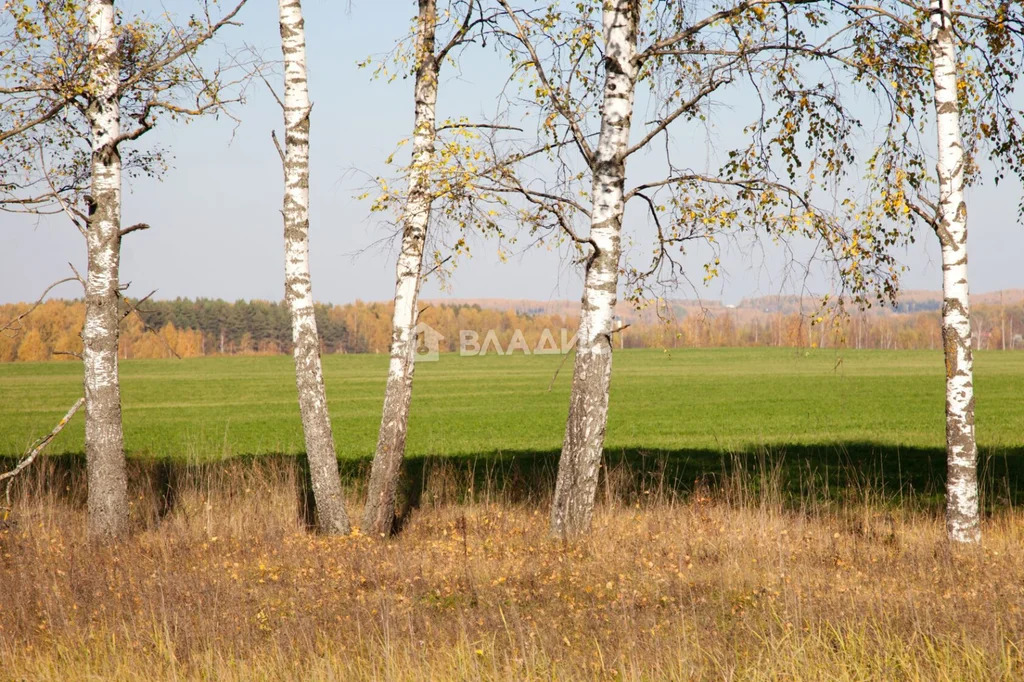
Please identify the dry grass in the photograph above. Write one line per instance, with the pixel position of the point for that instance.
(227, 584)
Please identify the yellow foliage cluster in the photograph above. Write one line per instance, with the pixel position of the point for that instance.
(53, 331)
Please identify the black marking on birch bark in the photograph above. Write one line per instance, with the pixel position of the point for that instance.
(959, 435)
(953, 304)
(961, 216)
(950, 344)
(945, 238)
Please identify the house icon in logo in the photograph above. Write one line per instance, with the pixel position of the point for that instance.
(428, 342)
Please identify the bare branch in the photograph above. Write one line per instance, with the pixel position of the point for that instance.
(39, 302)
(434, 269)
(273, 92)
(78, 275)
(888, 15)
(478, 125)
(679, 111)
(146, 325)
(134, 308)
(532, 195)
(742, 184)
(38, 447)
(133, 228)
(565, 356)
(77, 218)
(277, 145)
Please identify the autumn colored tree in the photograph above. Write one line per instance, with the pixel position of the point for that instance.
(595, 57)
(32, 348)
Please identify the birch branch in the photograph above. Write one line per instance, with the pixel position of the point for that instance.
(490, 126)
(187, 45)
(78, 219)
(133, 228)
(929, 218)
(38, 447)
(134, 308)
(78, 275)
(570, 117)
(432, 270)
(273, 92)
(38, 303)
(42, 118)
(277, 146)
(683, 108)
(460, 35)
(561, 364)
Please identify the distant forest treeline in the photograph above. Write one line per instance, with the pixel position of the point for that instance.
(188, 328)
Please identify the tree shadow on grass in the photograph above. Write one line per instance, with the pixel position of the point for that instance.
(796, 476)
(792, 475)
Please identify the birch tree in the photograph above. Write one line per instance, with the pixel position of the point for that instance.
(316, 422)
(89, 71)
(424, 188)
(962, 518)
(104, 441)
(380, 502)
(582, 448)
(583, 66)
(964, 64)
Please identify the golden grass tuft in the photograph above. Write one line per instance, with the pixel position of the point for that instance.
(226, 583)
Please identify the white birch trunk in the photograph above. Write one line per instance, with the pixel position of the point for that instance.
(316, 423)
(962, 514)
(104, 441)
(582, 448)
(379, 513)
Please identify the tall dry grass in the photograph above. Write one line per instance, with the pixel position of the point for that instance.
(222, 581)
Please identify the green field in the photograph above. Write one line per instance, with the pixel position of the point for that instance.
(719, 400)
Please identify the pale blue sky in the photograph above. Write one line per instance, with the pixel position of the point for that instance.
(215, 216)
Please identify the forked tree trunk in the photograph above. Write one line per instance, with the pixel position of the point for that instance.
(104, 441)
(379, 514)
(582, 448)
(962, 516)
(316, 422)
